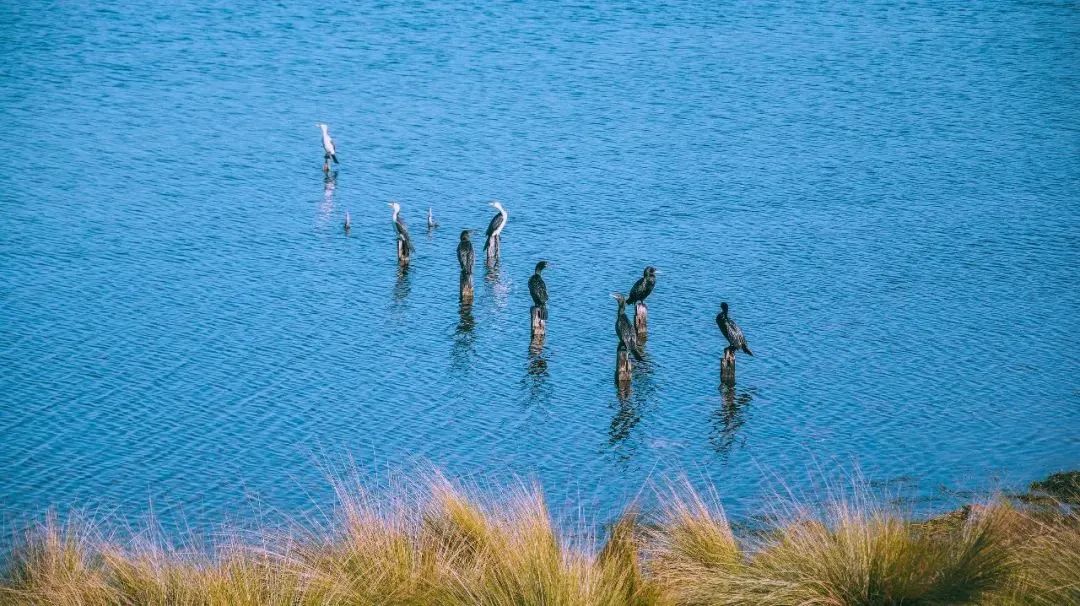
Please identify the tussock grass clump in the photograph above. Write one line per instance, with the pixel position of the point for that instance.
(1046, 556)
(56, 565)
(439, 544)
(692, 552)
(860, 557)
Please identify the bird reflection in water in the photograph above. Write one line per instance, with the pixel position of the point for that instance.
(626, 417)
(327, 206)
(500, 288)
(729, 418)
(632, 402)
(462, 349)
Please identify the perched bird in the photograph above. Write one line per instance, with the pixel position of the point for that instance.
(731, 331)
(627, 335)
(494, 229)
(644, 286)
(538, 289)
(431, 223)
(404, 242)
(348, 222)
(329, 149)
(465, 255)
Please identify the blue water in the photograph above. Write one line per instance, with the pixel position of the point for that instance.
(888, 195)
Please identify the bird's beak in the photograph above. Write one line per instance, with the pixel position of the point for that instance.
(614, 295)
(657, 272)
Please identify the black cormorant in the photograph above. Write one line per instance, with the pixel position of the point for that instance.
(624, 330)
(465, 255)
(537, 287)
(731, 331)
(404, 242)
(644, 286)
(494, 229)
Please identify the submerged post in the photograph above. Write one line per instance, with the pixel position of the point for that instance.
(623, 366)
(538, 317)
(465, 287)
(641, 320)
(727, 367)
(402, 252)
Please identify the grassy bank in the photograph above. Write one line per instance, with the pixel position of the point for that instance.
(443, 545)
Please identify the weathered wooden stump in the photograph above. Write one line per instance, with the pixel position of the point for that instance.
(641, 320)
(492, 253)
(623, 366)
(465, 287)
(538, 316)
(727, 367)
(402, 253)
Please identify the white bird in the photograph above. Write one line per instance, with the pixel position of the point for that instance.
(431, 223)
(329, 149)
(348, 222)
(494, 229)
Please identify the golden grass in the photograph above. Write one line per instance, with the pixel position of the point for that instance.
(451, 547)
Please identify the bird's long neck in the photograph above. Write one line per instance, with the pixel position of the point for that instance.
(395, 217)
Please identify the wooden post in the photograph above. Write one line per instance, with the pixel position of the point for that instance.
(465, 287)
(493, 251)
(402, 253)
(623, 367)
(538, 315)
(727, 367)
(641, 320)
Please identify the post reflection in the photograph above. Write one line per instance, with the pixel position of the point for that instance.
(728, 419)
(537, 362)
(633, 399)
(536, 374)
(626, 417)
(402, 286)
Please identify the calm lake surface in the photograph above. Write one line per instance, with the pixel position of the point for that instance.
(887, 194)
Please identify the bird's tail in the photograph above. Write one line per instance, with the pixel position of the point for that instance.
(747, 350)
(543, 312)
(334, 158)
(636, 350)
(487, 244)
